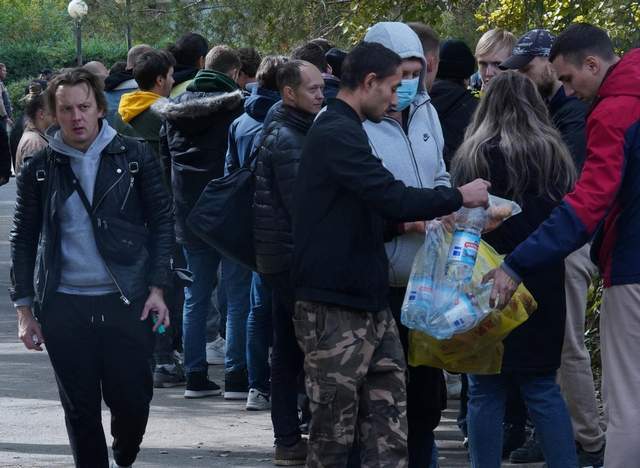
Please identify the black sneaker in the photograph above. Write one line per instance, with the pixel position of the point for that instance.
(168, 375)
(199, 386)
(236, 385)
(590, 459)
(530, 452)
(514, 436)
(291, 456)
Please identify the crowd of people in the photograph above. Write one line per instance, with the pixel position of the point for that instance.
(353, 153)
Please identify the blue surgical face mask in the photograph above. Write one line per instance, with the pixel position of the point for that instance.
(406, 93)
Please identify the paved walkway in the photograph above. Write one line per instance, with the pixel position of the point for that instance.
(181, 433)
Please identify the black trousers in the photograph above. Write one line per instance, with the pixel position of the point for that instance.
(287, 362)
(99, 348)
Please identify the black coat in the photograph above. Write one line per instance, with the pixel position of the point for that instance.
(455, 105)
(42, 188)
(536, 345)
(194, 139)
(276, 171)
(342, 199)
(569, 115)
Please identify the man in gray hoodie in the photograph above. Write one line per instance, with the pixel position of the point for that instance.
(409, 142)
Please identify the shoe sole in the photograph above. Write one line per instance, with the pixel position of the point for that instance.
(201, 393)
(257, 408)
(169, 384)
(236, 395)
(289, 462)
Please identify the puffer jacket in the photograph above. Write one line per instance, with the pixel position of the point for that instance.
(139, 198)
(194, 139)
(276, 171)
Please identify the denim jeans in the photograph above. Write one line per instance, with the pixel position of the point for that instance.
(548, 411)
(259, 333)
(237, 285)
(203, 263)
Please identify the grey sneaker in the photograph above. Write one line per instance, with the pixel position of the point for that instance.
(115, 465)
(590, 459)
(168, 375)
(257, 400)
(215, 351)
(291, 456)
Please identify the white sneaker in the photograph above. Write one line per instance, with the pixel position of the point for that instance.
(215, 351)
(257, 400)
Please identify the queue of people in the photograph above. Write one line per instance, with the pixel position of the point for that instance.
(353, 154)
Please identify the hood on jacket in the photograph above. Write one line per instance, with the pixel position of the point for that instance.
(209, 81)
(190, 105)
(102, 140)
(259, 102)
(401, 39)
(624, 78)
(112, 81)
(182, 73)
(135, 103)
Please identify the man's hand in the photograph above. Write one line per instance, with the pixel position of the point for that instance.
(416, 226)
(29, 330)
(503, 287)
(448, 222)
(155, 304)
(475, 194)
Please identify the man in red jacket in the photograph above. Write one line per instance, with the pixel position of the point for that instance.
(605, 203)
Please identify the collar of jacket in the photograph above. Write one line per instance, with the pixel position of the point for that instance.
(341, 107)
(116, 146)
(112, 81)
(182, 73)
(211, 81)
(135, 103)
(293, 117)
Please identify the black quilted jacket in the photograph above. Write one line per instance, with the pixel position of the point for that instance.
(140, 198)
(276, 170)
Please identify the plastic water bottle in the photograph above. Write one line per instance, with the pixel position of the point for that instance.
(464, 245)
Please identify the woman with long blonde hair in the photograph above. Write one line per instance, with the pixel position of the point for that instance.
(512, 143)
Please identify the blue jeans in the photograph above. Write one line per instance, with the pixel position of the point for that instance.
(259, 333)
(237, 285)
(548, 411)
(203, 263)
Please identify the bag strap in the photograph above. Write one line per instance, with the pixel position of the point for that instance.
(83, 196)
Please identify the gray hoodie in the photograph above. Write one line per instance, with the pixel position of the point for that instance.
(416, 158)
(83, 270)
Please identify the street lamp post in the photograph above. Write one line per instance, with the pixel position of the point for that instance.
(77, 10)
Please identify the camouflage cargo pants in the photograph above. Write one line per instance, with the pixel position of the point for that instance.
(355, 381)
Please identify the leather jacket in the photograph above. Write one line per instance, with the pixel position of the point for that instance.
(129, 188)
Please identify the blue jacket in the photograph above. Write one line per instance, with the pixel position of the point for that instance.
(244, 129)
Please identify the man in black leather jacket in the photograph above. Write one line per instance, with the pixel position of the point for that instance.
(101, 267)
(301, 85)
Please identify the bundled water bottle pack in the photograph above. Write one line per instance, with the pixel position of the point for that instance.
(442, 297)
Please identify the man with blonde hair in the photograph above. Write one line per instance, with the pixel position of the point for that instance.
(493, 48)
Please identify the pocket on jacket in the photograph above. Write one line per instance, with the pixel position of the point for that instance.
(120, 241)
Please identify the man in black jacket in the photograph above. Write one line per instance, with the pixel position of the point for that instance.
(344, 204)
(101, 277)
(194, 139)
(301, 85)
(568, 113)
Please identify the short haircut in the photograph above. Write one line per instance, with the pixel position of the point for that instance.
(134, 52)
(96, 67)
(268, 70)
(289, 74)
(223, 59)
(580, 40)
(324, 44)
(494, 40)
(118, 67)
(250, 59)
(74, 77)
(189, 49)
(365, 58)
(429, 38)
(151, 65)
(312, 53)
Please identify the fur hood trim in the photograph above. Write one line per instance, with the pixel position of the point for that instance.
(194, 105)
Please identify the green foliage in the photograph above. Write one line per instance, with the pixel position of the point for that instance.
(592, 327)
(16, 93)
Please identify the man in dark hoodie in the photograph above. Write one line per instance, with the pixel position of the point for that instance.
(194, 137)
(450, 95)
(120, 82)
(301, 86)
(189, 52)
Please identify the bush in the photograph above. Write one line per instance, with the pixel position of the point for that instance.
(16, 91)
(25, 60)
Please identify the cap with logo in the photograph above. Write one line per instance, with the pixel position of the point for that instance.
(535, 43)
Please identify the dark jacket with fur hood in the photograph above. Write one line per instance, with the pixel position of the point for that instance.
(194, 139)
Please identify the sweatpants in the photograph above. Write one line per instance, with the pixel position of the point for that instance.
(620, 347)
(99, 348)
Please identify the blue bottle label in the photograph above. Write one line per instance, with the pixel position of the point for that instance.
(464, 247)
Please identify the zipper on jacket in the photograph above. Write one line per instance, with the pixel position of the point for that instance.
(95, 207)
(126, 197)
(413, 156)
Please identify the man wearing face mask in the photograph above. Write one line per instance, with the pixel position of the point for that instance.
(409, 141)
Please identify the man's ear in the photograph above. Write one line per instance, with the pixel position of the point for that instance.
(593, 64)
(289, 93)
(369, 80)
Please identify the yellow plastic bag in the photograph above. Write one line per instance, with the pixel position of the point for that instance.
(480, 350)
